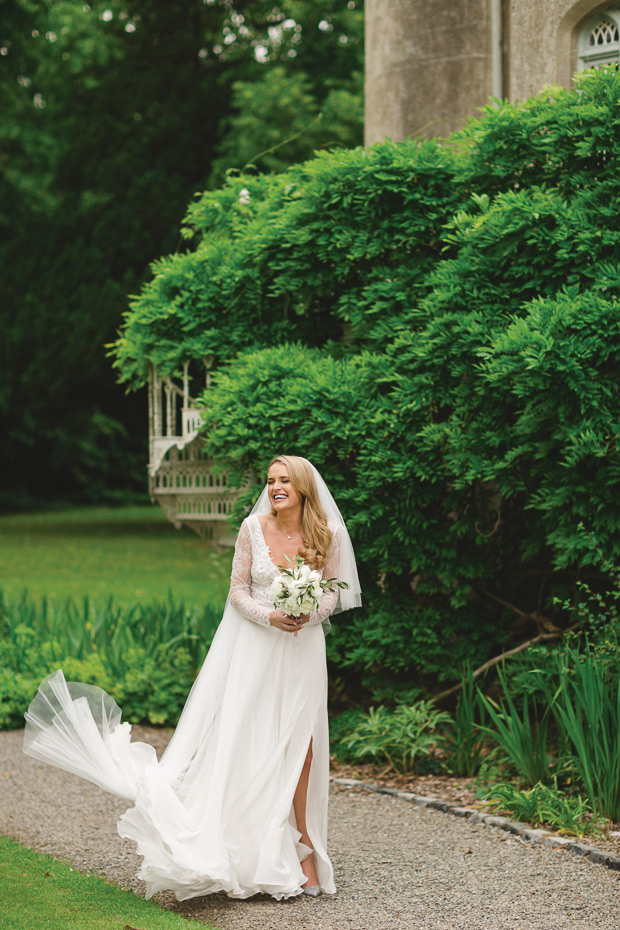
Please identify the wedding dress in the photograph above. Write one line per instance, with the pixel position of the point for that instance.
(216, 812)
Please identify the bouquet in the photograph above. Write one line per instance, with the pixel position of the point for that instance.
(300, 589)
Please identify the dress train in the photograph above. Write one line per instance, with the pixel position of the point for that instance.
(216, 813)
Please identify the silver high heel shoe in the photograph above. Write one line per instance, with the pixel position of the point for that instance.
(313, 892)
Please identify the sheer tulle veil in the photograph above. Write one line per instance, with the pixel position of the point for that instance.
(75, 726)
(349, 597)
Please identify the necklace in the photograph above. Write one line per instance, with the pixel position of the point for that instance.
(286, 534)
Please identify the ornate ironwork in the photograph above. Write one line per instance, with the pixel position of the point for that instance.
(190, 488)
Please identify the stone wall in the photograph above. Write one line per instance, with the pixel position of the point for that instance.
(542, 46)
(430, 63)
(427, 65)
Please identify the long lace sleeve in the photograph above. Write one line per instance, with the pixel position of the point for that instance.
(241, 578)
(332, 565)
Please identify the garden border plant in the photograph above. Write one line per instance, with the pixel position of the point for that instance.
(145, 655)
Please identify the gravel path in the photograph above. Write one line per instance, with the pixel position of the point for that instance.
(398, 867)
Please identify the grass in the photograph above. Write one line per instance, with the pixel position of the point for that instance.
(40, 893)
(132, 553)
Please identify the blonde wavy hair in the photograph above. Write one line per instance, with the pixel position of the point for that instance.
(316, 533)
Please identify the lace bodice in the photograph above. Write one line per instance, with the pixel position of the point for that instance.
(253, 573)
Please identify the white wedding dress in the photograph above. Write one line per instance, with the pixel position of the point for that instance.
(215, 814)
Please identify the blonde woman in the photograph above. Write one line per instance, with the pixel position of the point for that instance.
(238, 802)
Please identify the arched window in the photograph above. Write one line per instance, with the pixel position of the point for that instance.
(599, 41)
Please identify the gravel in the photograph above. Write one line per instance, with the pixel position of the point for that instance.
(397, 865)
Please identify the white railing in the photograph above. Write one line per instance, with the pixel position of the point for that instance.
(182, 479)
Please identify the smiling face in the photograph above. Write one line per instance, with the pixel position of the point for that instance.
(282, 494)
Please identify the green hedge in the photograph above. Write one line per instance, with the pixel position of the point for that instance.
(146, 655)
(436, 325)
(307, 258)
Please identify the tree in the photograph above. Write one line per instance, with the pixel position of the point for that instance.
(114, 113)
(446, 354)
(305, 93)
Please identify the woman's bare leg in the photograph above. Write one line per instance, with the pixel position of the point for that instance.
(299, 806)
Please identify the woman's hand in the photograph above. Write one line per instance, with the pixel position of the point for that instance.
(283, 622)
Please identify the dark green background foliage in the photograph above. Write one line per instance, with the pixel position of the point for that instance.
(436, 325)
(114, 113)
(326, 253)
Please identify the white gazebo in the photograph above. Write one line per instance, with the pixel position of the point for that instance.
(181, 477)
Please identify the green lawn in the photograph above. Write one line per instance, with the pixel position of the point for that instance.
(132, 553)
(39, 893)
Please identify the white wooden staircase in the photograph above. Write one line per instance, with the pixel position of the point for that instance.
(181, 478)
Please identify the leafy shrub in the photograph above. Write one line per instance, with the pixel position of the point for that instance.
(18, 688)
(405, 737)
(340, 727)
(577, 683)
(398, 643)
(596, 607)
(16, 693)
(152, 690)
(155, 688)
(145, 656)
(448, 340)
(328, 245)
(544, 804)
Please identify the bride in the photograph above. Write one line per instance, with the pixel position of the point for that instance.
(238, 801)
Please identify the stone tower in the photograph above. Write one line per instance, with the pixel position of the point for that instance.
(432, 63)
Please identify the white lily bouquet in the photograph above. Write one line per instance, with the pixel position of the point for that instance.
(300, 589)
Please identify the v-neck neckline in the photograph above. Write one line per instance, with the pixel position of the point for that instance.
(267, 547)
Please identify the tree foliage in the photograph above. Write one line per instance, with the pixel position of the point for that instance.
(310, 96)
(320, 254)
(113, 115)
(436, 325)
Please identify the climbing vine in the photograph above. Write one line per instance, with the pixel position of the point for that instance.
(436, 325)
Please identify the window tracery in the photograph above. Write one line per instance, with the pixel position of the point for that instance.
(599, 40)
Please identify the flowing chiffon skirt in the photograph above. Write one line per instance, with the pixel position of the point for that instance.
(216, 813)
